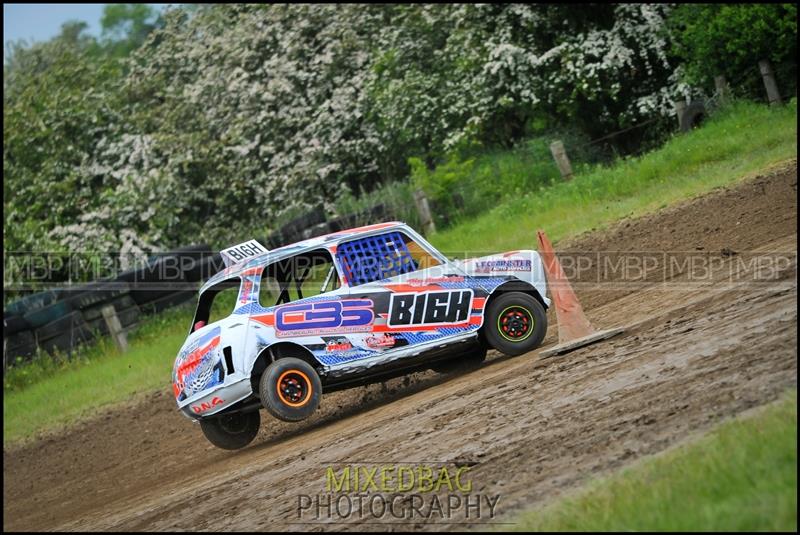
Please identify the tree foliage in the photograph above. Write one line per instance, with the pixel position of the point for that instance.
(126, 26)
(208, 122)
(730, 39)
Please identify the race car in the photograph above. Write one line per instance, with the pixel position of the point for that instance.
(276, 328)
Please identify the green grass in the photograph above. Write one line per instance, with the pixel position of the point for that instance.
(49, 393)
(734, 144)
(742, 476)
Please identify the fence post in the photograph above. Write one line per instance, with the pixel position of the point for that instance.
(773, 95)
(561, 158)
(680, 107)
(424, 210)
(722, 89)
(115, 327)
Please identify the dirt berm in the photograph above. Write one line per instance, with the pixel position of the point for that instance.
(711, 319)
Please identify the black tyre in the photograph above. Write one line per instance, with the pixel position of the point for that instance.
(515, 323)
(231, 431)
(471, 358)
(290, 389)
(168, 301)
(13, 325)
(21, 344)
(204, 268)
(50, 313)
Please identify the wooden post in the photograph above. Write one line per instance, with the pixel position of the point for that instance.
(561, 158)
(424, 210)
(680, 107)
(723, 91)
(773, 95)
(115, 327)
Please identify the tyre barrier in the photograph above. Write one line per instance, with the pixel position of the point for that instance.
(62, 318)
(63, 334)
(166, 273)
(48, 314)
(205, 269)
(14, 324)
(296, 226)
(169, 301)
(127, 310)
(192, 252)
(375, 214)
(22, 344)
(93, 293)
(32, 302)
(128, 313)
(72, 324)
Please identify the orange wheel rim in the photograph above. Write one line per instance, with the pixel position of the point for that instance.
(294, 388)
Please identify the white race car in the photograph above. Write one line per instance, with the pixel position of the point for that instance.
(342, 310)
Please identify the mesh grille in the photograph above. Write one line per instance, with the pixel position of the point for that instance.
(374, 258)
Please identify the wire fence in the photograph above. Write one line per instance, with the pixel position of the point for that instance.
(715, 101)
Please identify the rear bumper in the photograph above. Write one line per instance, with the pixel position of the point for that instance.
(217, 400)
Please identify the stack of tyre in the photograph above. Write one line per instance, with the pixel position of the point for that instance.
(297, 229)
(62, 318)
(313, 224)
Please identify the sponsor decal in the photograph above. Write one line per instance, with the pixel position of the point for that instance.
(489, 266)
(384, 341)
(206, 405)
(346, 315)
(436, 280)
(342, 344)
(193, 371)
(247, 289)
(430, 308)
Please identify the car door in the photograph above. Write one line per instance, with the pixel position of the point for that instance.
(418, 301)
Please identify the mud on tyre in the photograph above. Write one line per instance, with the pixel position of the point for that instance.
(290, 389)
(231, 431)
(515, 323)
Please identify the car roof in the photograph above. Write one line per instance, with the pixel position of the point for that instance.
(285, 251)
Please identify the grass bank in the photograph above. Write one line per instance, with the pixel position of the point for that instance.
(52, 392)
(734, 144)
(742, 476)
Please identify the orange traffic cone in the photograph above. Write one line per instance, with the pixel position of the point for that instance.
(574, 329)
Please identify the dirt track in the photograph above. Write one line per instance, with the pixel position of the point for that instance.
(698, 349)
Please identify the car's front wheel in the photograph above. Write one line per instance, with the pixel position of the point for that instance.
(290, 389)
(515, 323)
(231, 431)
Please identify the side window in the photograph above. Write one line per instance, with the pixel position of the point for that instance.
(277, 285)
(269, 290)
(374, 258)
(320, 275)
(217, 302)
(304, 275)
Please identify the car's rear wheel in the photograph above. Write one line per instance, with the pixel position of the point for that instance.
(515, 323)
(231, 431)
(290, 389)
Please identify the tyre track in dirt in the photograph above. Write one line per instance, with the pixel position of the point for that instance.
(684, 366)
